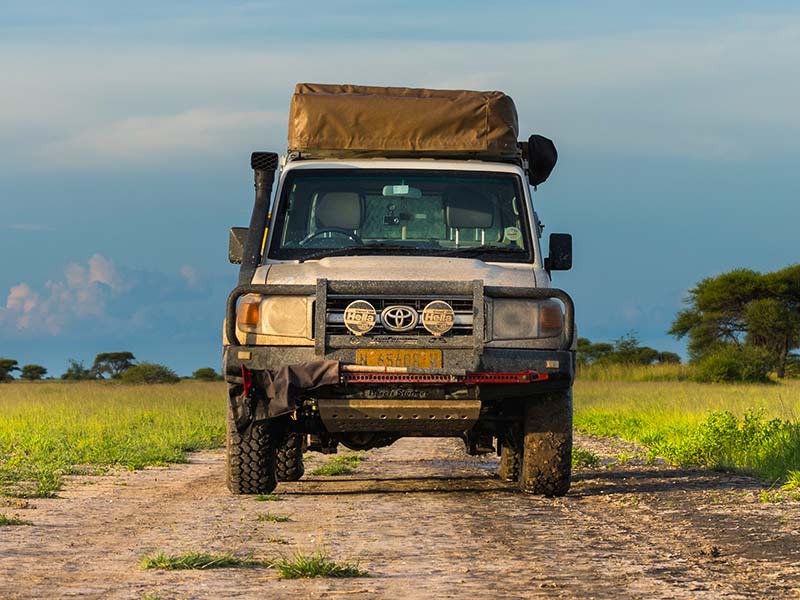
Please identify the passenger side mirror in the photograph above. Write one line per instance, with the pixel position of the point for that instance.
(236, 241)
(560, 258)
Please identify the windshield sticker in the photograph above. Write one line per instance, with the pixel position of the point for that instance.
(512, 234)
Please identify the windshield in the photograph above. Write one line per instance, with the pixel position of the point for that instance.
(336, 212)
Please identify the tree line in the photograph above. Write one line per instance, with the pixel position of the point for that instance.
(120, 366)
(741, 326)
(626, 351)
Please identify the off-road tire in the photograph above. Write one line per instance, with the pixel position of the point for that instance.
(289, 458)
(510, 460)
(250, 458)
(547, 445)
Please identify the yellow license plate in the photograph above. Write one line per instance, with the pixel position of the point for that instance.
(414, 359)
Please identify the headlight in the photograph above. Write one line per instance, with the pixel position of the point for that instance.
(526, 319)
(286, 316)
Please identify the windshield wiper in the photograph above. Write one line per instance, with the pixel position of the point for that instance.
(329, 252)
(477, 250)
(379, 248)
(356, 250)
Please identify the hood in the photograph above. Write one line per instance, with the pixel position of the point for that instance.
(396, 268)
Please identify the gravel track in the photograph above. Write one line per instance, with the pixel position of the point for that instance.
(425, 520)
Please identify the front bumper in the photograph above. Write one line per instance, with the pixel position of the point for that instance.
(461, 353)
(468, 359)
(558, 365)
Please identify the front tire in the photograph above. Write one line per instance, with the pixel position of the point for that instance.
(546, 466)
(250, 458)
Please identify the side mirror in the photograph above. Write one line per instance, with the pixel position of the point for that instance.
(560, 258)
(236, 241)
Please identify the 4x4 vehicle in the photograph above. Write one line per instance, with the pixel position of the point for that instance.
(395, 286)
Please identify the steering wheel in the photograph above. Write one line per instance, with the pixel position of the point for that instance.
(344, 232)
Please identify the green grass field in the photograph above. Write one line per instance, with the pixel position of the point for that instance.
(49, 430)
(615, 372)
(752, 428)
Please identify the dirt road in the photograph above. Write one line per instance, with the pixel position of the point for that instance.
(426, 521)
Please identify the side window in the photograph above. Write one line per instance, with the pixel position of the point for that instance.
(297, 214)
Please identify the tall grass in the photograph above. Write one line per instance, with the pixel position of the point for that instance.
(752, 428)
(48, 430)
(617, 372)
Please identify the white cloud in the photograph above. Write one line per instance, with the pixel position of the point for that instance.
(102, 270)
(197, 132)
(83, 294)
(96, 299)
(726, 91)
(190, 275)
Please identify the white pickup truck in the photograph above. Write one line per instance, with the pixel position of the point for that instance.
(395, 286)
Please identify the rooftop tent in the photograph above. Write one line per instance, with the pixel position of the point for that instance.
(352, 120)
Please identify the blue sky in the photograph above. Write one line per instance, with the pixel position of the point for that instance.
(127, 129)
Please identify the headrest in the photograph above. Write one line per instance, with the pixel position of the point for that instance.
(343, 210)
(468, 208)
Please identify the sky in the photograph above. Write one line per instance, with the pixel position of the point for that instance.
(126, 131)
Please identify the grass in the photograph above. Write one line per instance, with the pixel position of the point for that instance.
(49, 430)
(316, 564)
(584, 458)
(268, 498)
(778, 497)
(343, 464)
(635, 373)
(296, 566)
(792, 481)
(12, 520)
(269, 517)
(197, 560)
(749, 428)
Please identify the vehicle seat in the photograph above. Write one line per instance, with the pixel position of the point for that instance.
(340, 210)
(466, 208)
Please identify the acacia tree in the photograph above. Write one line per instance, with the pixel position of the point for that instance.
(206, 374)
(743, 307)
(33, 372)
(589, 352)
(7, 366)
(113, 364)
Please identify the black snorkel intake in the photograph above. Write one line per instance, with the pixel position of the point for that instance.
(264, 165)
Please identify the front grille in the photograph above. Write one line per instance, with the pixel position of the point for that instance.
(462, 307)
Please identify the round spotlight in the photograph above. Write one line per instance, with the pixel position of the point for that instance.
(359, 317)
(438, 317)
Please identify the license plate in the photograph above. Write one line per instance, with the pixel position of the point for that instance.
(414, 359)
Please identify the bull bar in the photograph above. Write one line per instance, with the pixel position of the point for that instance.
(474, 288)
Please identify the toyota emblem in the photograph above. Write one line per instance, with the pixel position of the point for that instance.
(399, 318)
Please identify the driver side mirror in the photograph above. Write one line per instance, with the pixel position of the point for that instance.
(560, 258)
(236, 241)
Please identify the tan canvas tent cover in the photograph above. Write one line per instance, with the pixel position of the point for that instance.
(382, 121)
